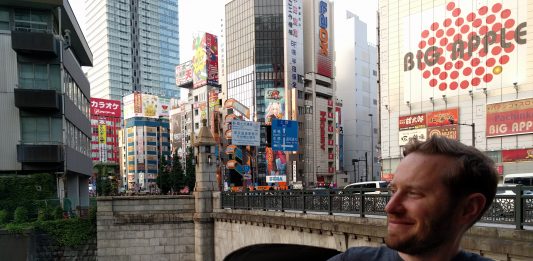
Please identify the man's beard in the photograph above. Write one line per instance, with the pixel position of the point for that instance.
(433, 234)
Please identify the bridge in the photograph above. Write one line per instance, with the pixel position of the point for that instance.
(163, 227)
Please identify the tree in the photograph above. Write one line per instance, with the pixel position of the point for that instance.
(106, 183)
(163, 177)
(190, 171)
(177, 177)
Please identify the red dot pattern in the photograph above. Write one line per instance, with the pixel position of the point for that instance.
(445, 72)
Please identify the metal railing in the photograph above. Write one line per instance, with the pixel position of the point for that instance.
(514, 209)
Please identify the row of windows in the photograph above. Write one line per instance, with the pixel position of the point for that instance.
(39, 76)
(77, 140)
(38, 129)
(73, 91)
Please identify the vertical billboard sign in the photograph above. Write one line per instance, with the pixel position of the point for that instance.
(294, 51)
(275, 102)
(211, 50)
(509, 118)
(150, 106)
(324, 45)
(129, 106)
(458, 46)
(199, 61)
(163, 107)
(137, 104)
(103, 107)
(184, 73)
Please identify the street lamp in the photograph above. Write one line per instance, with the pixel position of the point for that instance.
(354, 169)
(371, 146)
(473, 125)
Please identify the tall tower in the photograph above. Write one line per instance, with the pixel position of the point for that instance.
(136, 47)
(357, 87)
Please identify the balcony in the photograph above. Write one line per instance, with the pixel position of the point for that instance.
(31, 99)
(27, 153)
(35, 43)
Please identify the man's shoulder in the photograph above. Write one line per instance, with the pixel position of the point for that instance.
(367, 253)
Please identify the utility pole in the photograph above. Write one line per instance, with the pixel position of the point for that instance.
(366, 166)
(371, 146)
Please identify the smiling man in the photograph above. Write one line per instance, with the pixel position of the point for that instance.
(440, 189)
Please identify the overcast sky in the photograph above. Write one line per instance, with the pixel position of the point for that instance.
(206, 15)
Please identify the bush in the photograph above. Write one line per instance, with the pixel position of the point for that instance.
(92, 214)
(21, 215)
(4, 217)
(57, 213)
(44, 213)
(69, 232)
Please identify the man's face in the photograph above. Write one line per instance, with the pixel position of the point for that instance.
(420, 216)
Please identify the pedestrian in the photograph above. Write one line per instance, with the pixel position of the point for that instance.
(440, 189)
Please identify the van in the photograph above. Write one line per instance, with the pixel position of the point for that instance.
(368, 185)
(525, 179)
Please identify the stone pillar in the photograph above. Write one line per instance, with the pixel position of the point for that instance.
(206, 184)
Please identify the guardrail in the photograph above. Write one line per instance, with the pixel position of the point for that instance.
(516, 208)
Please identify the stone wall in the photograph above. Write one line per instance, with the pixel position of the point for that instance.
(235, 229)
(145, 228)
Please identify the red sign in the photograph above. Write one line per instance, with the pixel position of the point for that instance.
(441, 118)
(387, 176)
(323, 130)
(509, 118)
(412, 121)
(449, 131)
(517, 155)
(103, 107)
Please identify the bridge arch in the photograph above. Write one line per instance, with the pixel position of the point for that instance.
(281, 252)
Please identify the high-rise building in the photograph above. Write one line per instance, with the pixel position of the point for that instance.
(458, 69)
(279, 63)
(44, 95)
(136, 47)
(356, 80)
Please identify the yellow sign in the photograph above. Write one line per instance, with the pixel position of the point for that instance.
(102, 134)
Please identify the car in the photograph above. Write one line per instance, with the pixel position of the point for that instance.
(509, 190)
(370, 187)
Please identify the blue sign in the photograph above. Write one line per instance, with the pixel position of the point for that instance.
(246, 168)
(284, 135)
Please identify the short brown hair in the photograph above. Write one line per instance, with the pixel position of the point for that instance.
(474, 171)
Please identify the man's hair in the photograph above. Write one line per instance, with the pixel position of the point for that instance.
(474, 172)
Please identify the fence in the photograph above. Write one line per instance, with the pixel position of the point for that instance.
(516, 208)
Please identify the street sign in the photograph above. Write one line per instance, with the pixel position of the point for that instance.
(245, 133)
(284, 135)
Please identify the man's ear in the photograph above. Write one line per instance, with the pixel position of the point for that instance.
(473, 205)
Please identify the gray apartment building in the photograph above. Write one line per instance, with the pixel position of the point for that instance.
(44, 95)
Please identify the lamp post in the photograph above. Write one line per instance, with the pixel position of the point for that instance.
(473, 125)
(354, 169)
(371, 146)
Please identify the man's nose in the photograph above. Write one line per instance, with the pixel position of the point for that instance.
(395, 204)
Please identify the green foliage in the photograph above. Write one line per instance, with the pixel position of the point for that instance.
(92, 214)
(163, 178)
(18, 228)
(4, 217)
(69, 232)
(57, 213)
(44, 213)
(190, 174)
(20, 215)
(106, 179)
(24, 190)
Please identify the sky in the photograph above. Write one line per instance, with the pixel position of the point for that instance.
(206, 15)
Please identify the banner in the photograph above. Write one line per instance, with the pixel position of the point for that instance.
(442, 118)
(412, 121)
(449, 131)
(404, 136)
(509, 118)
(104, 107)
(517, 155)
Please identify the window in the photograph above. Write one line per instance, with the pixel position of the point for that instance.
(39, 76)
(37, 129)
(4, 19)
(32, 20)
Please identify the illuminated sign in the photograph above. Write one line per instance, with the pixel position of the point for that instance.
(294, 51)
(324, 55)
(323, 130)
(509, 118)
(103, 107)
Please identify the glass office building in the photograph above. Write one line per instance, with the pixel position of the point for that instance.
(136, 47)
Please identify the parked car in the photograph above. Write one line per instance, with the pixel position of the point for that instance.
(370, 187)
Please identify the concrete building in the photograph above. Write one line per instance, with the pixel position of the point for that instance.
(136, 45)
(147, 139)
(436, 79)
(356, 78)
(44, 95)
(266, 71)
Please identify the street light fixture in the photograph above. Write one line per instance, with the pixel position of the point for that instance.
(371, 146)
(473, 125)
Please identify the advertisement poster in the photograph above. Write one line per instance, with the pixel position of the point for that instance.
(460, 46)
(199, 61)
(412, 121)
(324, 34)
(149, 106)
(294, 50)
(509, 118)
(211, 49)
(449, 131)
(163, 107)
(129, 106)
(404, 136)
(517, 155)
(276, 162)
(275, 102)
(184, 73)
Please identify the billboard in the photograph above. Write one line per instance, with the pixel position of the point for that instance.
(442, 118)
(324, 45)
(245, 133)
(104, 107)
(150, 106)
(102, 134)
(145, 105)
(276, 162)
(509, 118)
(294, 35)
(517, 155)
(184, 73)
(404, 136)
(163, 107)
(205, 59)
(275, 102)
(449, 131)
(451, 48)
(412, 121)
